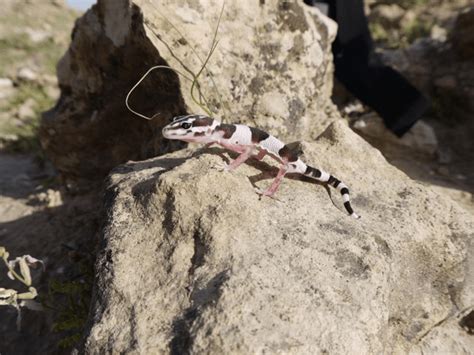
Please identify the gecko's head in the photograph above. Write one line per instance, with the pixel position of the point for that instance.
(190, 128)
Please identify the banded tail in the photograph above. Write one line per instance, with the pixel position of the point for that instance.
(323, 176)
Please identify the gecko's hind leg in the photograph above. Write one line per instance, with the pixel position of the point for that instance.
(276, 183)
(260, 155)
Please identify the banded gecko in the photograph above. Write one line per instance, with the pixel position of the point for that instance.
(250, 142)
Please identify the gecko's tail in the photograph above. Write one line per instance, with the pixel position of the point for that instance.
(323, 176)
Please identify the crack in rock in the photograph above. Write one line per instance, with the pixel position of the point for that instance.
(182, 341)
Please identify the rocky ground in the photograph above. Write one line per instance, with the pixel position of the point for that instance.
(39, 217)
(32, 39)
(429, 43)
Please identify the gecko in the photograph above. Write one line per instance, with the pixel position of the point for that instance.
(250, 142)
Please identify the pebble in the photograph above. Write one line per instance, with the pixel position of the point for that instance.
(52, 92)
(421, 137)
(51, 198)
(27, 74)
(26, 110)
(6, 83)
(37, 36)
(6, 88)
(360, 124)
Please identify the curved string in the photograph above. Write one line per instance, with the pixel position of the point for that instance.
(211, 76)
(194, 79)
(143, 78)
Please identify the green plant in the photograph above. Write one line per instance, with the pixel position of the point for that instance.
(201, 101)
(379, 33)
(70, 299)
(27, 132)
(417, 29)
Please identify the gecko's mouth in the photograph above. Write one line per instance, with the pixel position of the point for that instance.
(166, 133)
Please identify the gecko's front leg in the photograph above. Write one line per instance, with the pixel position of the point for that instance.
(242, 158)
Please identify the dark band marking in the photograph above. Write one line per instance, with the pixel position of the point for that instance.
(344, 191)
(310, 171)
(199, 134)
(288, 154)
(228, 130)
(180, 118)
(296, 147)
(258, 135)
(348, 207)
(202, 121)
(333, 181)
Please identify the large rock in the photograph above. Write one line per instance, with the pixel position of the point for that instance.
(193, 261)
(272, 67)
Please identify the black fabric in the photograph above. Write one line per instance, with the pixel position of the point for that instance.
(382, 88)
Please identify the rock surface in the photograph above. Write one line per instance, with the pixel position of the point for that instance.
(272, 67)
(193, 261)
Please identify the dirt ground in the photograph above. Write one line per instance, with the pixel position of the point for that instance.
(62, 232)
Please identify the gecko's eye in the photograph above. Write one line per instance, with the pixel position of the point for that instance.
(185, 125)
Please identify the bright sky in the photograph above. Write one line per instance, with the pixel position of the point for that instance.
(81, 4)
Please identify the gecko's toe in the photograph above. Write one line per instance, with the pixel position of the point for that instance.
(258, 191)
(222, 167)
(265, 193)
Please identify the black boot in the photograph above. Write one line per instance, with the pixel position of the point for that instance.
(382, 88)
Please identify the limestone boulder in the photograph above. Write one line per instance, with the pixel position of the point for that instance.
(194, 261)
(272, 67)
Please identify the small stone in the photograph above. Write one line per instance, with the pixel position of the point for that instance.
(421, 137)
(6, 83)
(438, 33)
(53, 92)
(50, 198)
(6, 88)
(48, 79)
(388, 14)
(54, 198)
(360, 124)
(27, 74)
(37, 36)
(354, 108)
(8, 137)
(408, 18)
(26, 110)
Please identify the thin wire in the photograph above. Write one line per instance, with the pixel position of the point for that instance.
(139, 82)
(219, 96)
